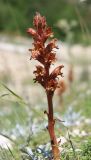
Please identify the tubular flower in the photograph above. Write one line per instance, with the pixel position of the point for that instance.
(51, 46)
(56, 72)
(44, 53)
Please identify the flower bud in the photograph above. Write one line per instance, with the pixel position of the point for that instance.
(31, 31)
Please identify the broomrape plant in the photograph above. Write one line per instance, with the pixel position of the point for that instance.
(45, 54)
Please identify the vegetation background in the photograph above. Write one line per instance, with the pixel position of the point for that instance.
(16, 16)
(23, 134)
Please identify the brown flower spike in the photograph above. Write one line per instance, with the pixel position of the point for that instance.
(45, 54)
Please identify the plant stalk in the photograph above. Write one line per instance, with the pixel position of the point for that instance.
(51, 124)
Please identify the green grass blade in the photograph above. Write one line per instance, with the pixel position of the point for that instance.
(13, 93)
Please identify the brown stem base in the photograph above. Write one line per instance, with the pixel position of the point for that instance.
(54, 143)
